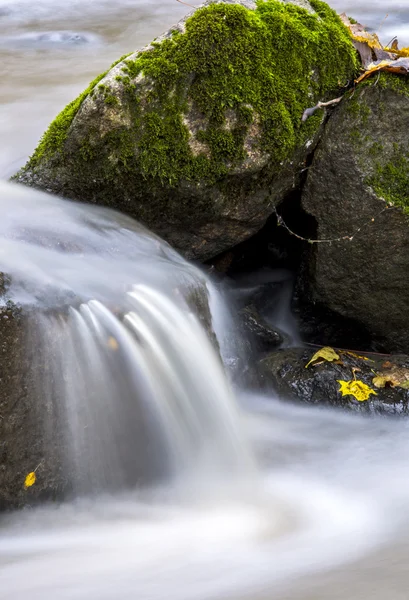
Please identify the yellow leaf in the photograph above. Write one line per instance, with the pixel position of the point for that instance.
(354, 355)
(325, 353)
(30, 480)
(112, 343)
(357, 388)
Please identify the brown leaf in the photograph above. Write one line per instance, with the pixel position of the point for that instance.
(393, 377)
(399, 66)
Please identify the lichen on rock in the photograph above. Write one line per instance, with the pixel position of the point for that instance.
(194, 131)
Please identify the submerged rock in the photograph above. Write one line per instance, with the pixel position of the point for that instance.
(199, 135)
(285, 372)
(358, 189)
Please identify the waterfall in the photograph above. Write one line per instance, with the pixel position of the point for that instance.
(140, 385)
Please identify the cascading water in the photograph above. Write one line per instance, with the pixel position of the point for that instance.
(154, 442)
(326, 515)
(141, 390)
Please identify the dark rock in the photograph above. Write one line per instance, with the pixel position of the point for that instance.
(358, 189)
(29, 431)
(256, 327)
(285, 372)
(199, 135)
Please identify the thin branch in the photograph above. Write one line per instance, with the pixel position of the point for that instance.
(349, 238)
(310, 111)
(186, 4)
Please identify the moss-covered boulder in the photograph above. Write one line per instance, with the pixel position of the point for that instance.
(199, 134)
(358, 190)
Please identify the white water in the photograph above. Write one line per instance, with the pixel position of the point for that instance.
(327, 516)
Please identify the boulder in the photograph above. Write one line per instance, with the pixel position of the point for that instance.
(285, 372)
(199, 135)
(358, 192)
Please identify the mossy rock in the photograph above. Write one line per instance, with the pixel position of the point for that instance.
(358, 188)
(199, 135)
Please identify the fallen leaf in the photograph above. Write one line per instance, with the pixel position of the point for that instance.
(387, 365)
(326, 353)
(381, 382)
(112, 343)
(30, 480)
(399, 66)
(354, 355)
(357, 389)
(392, 377)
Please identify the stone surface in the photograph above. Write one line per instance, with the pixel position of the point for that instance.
(360, 168)
(199, 135)
(29, 433)
(284, 372)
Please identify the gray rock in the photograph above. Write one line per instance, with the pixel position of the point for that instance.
(199, 135)
(361, 168)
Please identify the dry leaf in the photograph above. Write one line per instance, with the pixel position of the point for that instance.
(399, 66)
(326, 353)
(393, 377)
(354, 355)
(30, 480)
(357, 389)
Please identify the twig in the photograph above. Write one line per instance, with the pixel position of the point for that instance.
(310, 111)
(349, 238)
(381, 24)
(186, 4)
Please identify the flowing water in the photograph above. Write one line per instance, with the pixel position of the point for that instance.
(253, 498)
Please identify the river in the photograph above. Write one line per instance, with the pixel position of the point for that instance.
(326, 517)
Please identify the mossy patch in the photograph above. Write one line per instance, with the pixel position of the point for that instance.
(56, 134)
(391, 179)
(266, 65)
(389, 162)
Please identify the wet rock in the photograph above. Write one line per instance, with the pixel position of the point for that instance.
(29, 431)
(34, 432)
(358, 189)
(285, 372)
(256, 327)
(199, 135)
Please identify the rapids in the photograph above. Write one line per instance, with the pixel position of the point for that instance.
(254, 498)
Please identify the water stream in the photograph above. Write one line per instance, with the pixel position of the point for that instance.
(253, 498)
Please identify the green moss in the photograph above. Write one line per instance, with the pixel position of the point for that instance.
(56, 134)
(391, 180)
(266, 66)
(393, 82)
